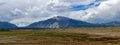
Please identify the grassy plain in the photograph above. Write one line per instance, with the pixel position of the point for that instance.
(77, 36)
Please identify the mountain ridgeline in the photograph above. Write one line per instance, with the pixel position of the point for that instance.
(63, 22)
(6, 25)
(60, 22)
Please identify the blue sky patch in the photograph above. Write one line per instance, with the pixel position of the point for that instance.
(84, 7)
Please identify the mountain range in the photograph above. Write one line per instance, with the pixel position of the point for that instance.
(60, 22)
(112, 24)
(6, 25)
(65, 22)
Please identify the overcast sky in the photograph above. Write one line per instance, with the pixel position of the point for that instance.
(25, 12)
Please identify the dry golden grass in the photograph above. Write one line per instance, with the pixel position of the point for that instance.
(78, 36)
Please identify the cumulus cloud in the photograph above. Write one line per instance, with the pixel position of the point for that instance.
(107, 11)
(25, 12)
(71, 5)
